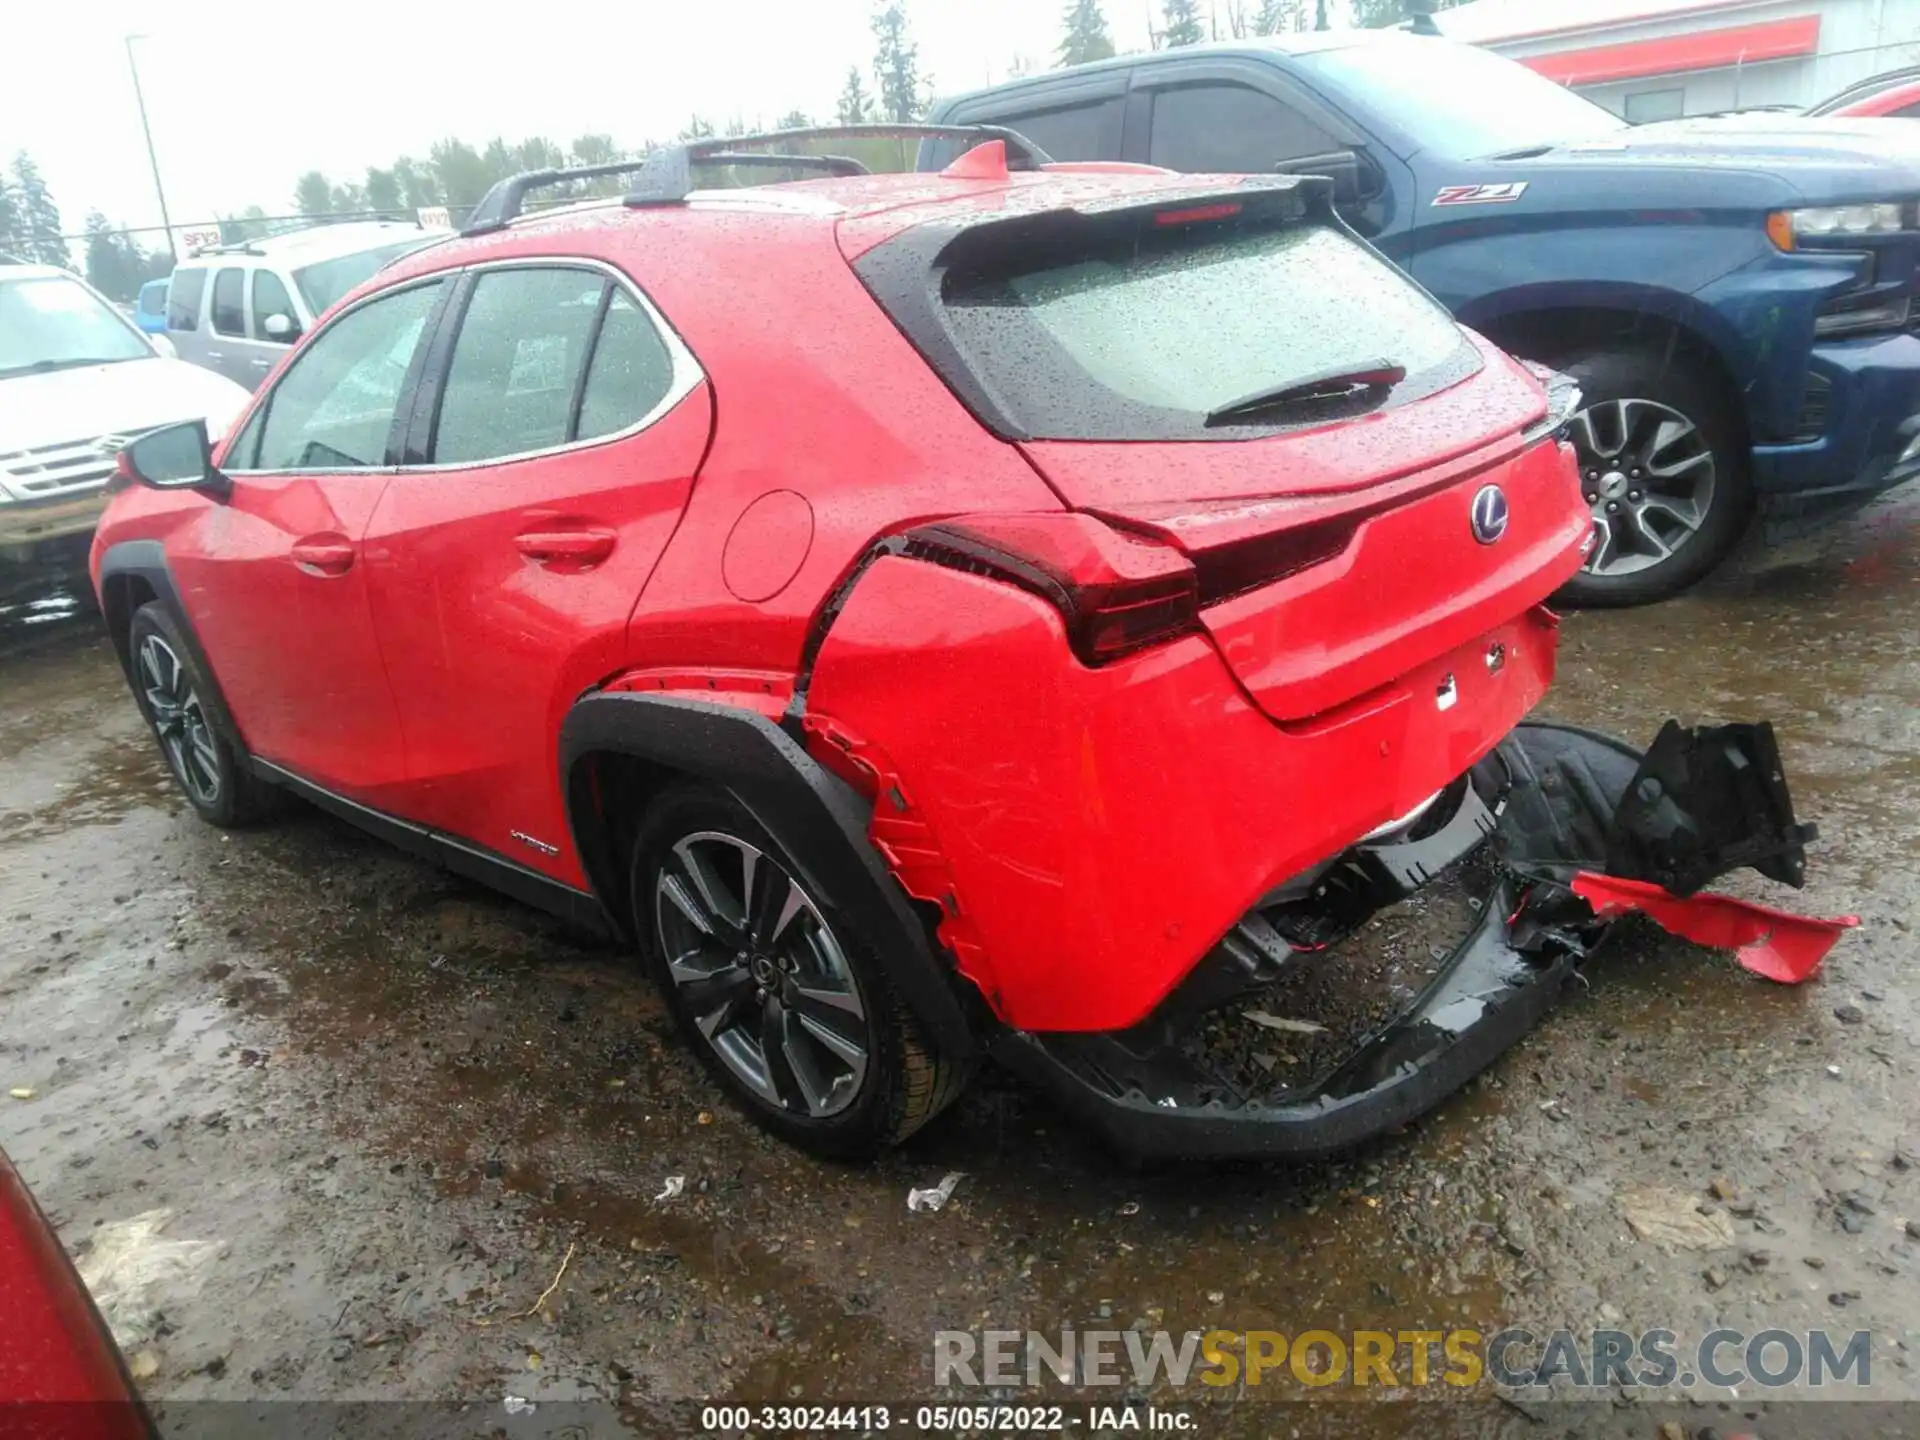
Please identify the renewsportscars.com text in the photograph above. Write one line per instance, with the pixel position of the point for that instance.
(1512, 1358)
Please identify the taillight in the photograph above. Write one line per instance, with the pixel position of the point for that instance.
(1115, 593)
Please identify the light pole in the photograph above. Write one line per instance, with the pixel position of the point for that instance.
(152, 159)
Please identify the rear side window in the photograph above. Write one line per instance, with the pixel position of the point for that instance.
(229, 305)
(1135, 329)
(183, 299)
(631, 371)
(153, 297)
(1229, 130)
(516, 364)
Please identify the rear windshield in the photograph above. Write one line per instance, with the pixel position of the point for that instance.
(1148, 330)
(326, 281)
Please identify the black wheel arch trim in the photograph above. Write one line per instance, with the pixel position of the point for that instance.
(819, 820)
(146, 561)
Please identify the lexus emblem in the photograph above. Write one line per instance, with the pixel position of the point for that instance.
(1489, 514)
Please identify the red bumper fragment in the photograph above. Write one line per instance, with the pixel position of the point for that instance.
(1774, 943)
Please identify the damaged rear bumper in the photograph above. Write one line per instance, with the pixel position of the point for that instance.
(1551, 808)
(1155, 1103)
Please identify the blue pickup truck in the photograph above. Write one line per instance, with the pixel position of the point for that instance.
(1733, 295)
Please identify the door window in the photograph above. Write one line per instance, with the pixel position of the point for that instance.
(631, 371)
(1089, 131)
(334, 407)
(229, 309)
(270, 298)
(517, 364)
(1220, 128)
(183, 299)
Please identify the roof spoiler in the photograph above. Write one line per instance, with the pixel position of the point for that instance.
(666, 175)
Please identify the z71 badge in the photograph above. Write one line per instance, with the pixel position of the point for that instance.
(1502, 194)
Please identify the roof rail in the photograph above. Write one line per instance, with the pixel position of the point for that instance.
(232, 247)
(666, 174)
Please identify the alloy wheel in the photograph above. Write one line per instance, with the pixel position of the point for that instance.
(179, 720)
(1648, 476)
(762, 974)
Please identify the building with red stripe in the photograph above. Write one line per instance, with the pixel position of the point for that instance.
(1662, 59)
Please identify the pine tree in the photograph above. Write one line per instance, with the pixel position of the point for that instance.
(312, 195)
(1280, 17)
(854, 107)
(36, 223)
(1182, 24)
(896, 66)
(10, 240)
(1087, 37)
(1377, 14)
(382, 190)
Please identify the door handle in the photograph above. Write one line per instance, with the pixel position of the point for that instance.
(323, 555)
(262, 364)
(576, 546)
(216, 354)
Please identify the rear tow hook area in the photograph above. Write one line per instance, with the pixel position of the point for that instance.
(1363, 992)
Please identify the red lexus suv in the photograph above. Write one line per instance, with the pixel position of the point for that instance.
(1023, 610)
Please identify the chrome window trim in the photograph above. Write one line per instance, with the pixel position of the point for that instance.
(687, 372)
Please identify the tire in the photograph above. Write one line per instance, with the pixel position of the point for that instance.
(850, 1073)
(205, 760)
(1683, 492)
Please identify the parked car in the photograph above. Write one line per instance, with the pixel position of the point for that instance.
(1734, 296)
(1021, 609)
(62, 1377)
(237, 309)
(150, 308)
(77, 380)
(1894, 95)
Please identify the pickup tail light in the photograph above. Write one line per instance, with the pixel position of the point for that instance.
(1115, 593)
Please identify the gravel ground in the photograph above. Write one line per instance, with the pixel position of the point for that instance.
(399, 1107)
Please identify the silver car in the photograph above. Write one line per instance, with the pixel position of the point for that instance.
(238, 308)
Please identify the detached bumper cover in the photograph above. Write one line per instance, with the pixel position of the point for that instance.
(1552, 803)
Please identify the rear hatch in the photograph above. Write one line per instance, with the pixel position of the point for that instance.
(1234, 374)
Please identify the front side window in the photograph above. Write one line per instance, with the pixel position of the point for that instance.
(516, 363)
(54, 322)
(270, 298)
(1229, 130)
(1144, 331)
(334, 407)
(1458, 100)
(153, 298)
(183, 299)
(229, 306)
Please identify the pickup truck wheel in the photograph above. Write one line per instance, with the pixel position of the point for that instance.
(783, 1000)
(207, 764)
(1662, 471)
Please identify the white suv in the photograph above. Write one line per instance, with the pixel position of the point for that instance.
(77, 380)
(237, 308)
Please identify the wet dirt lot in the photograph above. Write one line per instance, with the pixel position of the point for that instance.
(398, 1104)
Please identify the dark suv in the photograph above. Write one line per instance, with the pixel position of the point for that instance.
(1733, 295)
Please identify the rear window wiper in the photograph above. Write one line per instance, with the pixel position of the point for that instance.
(1344, 383)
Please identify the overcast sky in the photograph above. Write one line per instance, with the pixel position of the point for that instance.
(245, 96)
